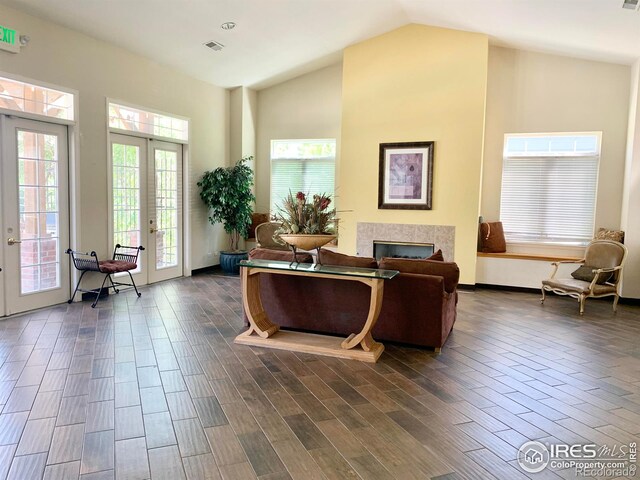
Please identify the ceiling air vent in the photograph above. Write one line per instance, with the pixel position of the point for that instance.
(630, 4)
(217, 46)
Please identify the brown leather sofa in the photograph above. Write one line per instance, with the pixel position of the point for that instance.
(418, 308)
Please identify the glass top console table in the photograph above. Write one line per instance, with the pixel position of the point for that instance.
(263, 332)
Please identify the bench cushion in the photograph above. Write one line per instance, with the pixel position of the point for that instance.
(115, 266)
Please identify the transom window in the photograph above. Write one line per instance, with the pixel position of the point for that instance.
(549, 184)
(29, 98)
(131, 119)
(307, 166)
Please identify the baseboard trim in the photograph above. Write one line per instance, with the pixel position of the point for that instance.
(209, 269)
(630, 301)
(91, 295)
(508, 288)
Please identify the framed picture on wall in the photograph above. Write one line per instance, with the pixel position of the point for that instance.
(406, 175)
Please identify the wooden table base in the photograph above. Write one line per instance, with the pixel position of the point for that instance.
(311, 343)
(263, 332)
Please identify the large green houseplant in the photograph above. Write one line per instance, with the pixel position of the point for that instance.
(227, 193)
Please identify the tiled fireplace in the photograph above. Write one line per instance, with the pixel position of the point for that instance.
(442, 236)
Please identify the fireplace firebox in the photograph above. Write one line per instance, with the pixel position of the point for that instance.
(402, 249)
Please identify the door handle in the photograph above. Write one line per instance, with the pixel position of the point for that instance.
(152, 230)
(12, 241)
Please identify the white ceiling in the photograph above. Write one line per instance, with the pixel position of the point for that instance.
(278, 39)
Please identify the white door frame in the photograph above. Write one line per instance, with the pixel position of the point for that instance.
(3, 311)
(73, 145)
(146, 184)
(186, 174)
(14, 300)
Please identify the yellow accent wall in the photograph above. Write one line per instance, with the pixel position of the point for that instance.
(416, 83)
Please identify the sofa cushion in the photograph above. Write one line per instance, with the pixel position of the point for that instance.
(280, 255)
(327, 257)
(437, 256)
(448, 270)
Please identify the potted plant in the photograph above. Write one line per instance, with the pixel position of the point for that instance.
(227, 193)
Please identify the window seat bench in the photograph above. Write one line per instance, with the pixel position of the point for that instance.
(525, 270)
(528, 256)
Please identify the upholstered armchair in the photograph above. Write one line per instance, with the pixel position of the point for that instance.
(599, 275)
(265, 233)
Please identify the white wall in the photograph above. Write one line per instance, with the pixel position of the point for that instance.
(98, 70)
(534, 92)
(631, 203)
(309, 106)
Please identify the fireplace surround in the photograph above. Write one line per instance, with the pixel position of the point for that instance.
(441, 236)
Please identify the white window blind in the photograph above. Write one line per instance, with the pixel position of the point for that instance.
(549, 185)
(307, 166)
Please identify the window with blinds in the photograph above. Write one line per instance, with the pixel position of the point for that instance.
(307, 166)
(549, 184)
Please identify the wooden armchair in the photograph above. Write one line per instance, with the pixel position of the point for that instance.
(599, 277)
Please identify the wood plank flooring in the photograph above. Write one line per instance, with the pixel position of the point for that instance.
(155, 388)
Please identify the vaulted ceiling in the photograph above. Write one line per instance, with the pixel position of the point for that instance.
(278, 39)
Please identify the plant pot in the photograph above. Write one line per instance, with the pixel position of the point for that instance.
(306, 242)
(230, 261)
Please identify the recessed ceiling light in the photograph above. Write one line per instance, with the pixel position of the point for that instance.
(228, 25)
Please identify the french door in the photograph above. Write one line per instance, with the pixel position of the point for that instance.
(34, 215)
(146, 205)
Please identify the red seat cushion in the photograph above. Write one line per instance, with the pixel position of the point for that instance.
(115, 266)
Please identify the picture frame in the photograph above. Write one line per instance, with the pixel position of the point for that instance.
(406, 175)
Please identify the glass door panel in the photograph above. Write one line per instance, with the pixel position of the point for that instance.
(128, 168)
(165, 211)
(126, 194)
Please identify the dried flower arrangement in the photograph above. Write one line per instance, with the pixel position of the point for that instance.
(299, 216)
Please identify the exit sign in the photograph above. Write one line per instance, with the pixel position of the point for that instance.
(9, 39)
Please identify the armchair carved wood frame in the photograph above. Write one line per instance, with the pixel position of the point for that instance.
(266, 236)
(607, 258)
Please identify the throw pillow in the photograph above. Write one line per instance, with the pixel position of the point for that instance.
(585, 273)
(327, 257)
(437, 256)
(606, 234)
(492, 237)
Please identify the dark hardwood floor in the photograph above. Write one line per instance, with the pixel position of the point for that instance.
(155, 388)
